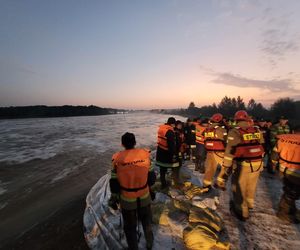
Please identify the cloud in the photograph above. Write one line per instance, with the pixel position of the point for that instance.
(277, 38)
(274, 85)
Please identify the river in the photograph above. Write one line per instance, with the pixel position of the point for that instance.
(48, 163)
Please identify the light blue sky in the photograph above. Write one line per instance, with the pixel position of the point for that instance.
(147, 54)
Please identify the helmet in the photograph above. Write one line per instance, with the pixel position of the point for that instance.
(216, 117)
(241, 115)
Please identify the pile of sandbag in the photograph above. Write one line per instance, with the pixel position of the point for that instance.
(204, 224)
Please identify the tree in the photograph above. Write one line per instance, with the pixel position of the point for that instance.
(228, 106)
(284, 107)
(192, 105)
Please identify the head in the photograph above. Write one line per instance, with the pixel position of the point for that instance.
(178, 124)
(171, 121)
(283, 120)
(216, 118)
(128, 140)
(262, 123)
(189, 122)
(241, 115)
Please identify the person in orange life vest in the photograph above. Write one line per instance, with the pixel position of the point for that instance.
(243, 155)
(131, 177)
(200, 127)
(166, 156)
(215, 139)
(287, 154)
(179, 135)
(190, 140)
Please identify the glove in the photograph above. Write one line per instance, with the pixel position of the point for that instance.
(220, 184)
(113, 202)
(174, 158)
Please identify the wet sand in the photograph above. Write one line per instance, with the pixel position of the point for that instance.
(45, 200)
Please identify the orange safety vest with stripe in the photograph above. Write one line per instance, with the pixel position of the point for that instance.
(162, 141)
(288, 148)
(132, 167)
(212, 142)
(200, 133)
(250, 147)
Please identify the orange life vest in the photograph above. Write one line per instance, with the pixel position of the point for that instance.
(161, 136)
(288, 148)
(212, 142)
(250, 148)
(132, 167)
(200, 133)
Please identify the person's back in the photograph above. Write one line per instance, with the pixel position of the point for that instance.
(243, 155)
(166, 156)
(215, 137)
(287, 153)
(131, 177)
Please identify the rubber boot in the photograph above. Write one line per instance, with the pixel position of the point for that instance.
(287, 210)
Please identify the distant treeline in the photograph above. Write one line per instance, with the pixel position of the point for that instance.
(54, 111)
(228, 106)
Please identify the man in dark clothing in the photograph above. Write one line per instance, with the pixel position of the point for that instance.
(190, 139)
(179, 135)
(131, 178)
(166, 152)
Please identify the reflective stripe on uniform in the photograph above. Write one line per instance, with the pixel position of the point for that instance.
(167, 165)
(134, 199)
(288, 171)
(228, 158)
(113, 175)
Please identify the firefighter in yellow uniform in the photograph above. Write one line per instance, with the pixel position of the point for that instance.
(243, 156)
(215, 138)
(287, 153)
(131, 177)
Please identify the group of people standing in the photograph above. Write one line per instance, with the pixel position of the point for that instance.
(240, 148)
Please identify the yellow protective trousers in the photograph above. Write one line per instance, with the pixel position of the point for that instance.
(211, 164)
(243, 185)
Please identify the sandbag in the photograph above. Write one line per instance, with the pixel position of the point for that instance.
(207, 217)
(201, 237)
(190, 190)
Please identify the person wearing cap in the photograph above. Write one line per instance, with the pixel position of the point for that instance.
(166, 156)
(243, 158)
(131, 178)
(279, 128)
(286, 153)
(215, 138)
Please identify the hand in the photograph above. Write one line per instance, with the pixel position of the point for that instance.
(220, 184)
(152, 194)
(113, 202)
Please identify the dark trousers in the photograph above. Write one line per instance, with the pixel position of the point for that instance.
(200, 157)
(175, 176)
(291, 193)
(130, 218)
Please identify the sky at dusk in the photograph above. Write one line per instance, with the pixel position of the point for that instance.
(148, 54)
